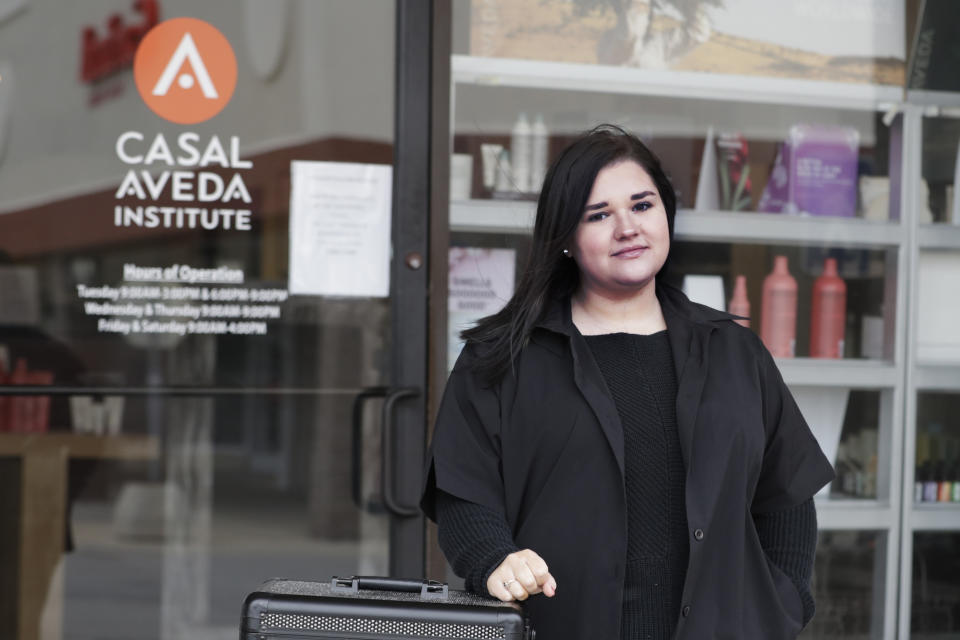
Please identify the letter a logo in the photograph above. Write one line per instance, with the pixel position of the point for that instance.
(185, 70)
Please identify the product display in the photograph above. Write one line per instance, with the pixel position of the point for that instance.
(490, 163)
(815, 172)
(520, 152)
(937, 474)
(734, 171)
(739, 304)
(505, 180)
(829, 314)
(857, 465)
(461, 176)
(539, 153)
(778, 321)
(875, 198)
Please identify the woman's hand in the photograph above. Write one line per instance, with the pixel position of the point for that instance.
(521, 575)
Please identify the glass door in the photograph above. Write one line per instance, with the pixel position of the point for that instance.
(212, 308)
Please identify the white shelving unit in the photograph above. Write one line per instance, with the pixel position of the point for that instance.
(506, 72)
(517, 216)
(939, 236)
(935, 517)
(851, 374)
(885, 514)
(854, 515)
(922, 376)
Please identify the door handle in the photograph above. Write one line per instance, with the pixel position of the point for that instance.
(356, 449)
(393, 505)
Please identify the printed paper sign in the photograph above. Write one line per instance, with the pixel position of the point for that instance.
(340, 229)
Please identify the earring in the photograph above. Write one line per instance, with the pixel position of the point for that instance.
(566, 252)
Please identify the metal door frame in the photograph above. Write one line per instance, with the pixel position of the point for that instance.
(418, 266)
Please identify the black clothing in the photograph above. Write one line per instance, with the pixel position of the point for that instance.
(789, 538)
(639, 374)
(543, 447)
(474, 538)
(471, 533)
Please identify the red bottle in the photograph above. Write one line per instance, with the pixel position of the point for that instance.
(778, 322)
(739, 303)
(829, 315)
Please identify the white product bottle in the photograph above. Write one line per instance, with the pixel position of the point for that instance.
(520, 139)
(505, 177)
(539, 142)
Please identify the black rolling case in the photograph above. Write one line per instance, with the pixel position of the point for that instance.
(368, 608)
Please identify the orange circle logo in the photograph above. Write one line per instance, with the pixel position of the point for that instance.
(185, 70)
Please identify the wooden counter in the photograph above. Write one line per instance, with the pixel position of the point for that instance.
(33, 494)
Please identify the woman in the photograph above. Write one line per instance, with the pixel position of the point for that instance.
(631, 459)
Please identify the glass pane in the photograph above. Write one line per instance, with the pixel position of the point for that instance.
(847, 582)
(935, 609)
(148, 235)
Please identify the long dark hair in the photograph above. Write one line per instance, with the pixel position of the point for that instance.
(549, 274)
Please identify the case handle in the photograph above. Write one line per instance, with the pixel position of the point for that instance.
(428, 589)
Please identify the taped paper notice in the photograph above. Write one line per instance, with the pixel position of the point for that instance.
(340, 229)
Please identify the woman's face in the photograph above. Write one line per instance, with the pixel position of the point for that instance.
(623, 239)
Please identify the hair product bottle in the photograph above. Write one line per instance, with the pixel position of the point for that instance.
(539, 143)
(829, 315)
(520, 153)
(945, 488)
(778, 321)
(739, 303)
(931, 484)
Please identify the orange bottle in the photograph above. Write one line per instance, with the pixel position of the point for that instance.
(829, 315)
(778, 322)
(739, 303)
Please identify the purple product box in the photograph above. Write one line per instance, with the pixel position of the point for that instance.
(815, 173)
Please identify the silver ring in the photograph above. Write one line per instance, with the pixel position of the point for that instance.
(506, 585)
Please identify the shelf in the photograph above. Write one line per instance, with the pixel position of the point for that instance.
(517, 216)
(936, 517)
(853, 374)
(756, 227)
(834, 515)
(493, 216)
(507, 72)
(937, 377)
(939, 236)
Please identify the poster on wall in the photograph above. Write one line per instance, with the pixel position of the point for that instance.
(340, 229)
(480, 283)
(859, 41)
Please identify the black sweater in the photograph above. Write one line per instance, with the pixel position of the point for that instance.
(639, 374)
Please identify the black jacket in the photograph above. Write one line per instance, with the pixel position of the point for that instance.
(545, 448)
